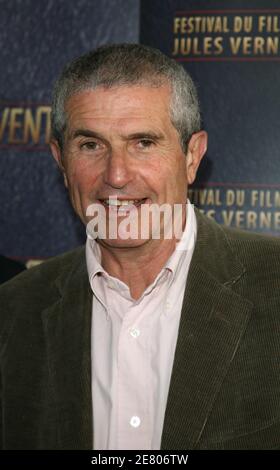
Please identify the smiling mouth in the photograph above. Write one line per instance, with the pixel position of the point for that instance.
(125, 203)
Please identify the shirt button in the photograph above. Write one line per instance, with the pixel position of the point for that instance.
(135, 421)
(135, 332)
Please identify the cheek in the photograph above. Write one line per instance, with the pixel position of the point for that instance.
(165, 174)
(154, 177)
(81, 175)
(175, 169)
(180, 168)
(177, 180)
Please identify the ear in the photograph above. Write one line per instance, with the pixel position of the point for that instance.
(196, 149)
(57, 155)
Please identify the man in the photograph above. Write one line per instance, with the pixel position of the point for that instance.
(146, 341)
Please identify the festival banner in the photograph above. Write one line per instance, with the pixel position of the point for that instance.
(232, 50)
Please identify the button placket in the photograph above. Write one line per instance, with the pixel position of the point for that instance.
(132, 427)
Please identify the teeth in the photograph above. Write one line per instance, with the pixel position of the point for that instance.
(117, 202)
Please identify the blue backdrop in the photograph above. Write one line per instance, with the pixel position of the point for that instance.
(238, 183)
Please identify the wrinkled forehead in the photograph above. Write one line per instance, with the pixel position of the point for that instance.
(119, 102)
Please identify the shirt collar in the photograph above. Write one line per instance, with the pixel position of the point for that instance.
(185, 244)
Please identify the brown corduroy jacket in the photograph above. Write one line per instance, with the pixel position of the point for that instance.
(225, 385)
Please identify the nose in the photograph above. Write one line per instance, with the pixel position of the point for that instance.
(118, 169)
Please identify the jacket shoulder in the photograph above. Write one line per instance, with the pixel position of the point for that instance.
(260, 257)
(249, 262)
(43, 273)
(255, 250)
(31, 291)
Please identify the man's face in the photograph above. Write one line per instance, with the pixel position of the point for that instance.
(120, 143)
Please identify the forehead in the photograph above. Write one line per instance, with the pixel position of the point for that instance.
(118, 104)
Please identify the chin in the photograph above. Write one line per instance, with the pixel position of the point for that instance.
(120, 243)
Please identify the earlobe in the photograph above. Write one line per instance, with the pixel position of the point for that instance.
(65, 179)
(196, 150)
(56, 152)
(57, 155)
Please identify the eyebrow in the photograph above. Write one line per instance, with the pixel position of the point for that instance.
(85, 133)
(133, 136)
(145, 135)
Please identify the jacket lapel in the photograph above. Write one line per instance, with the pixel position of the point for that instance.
(213, 320)
(67, 326)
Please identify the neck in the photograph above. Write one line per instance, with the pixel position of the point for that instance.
(137, 267)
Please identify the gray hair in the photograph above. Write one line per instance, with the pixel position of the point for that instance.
(126, 65)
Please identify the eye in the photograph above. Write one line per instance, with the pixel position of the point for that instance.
(91, 145)
(145, 143)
